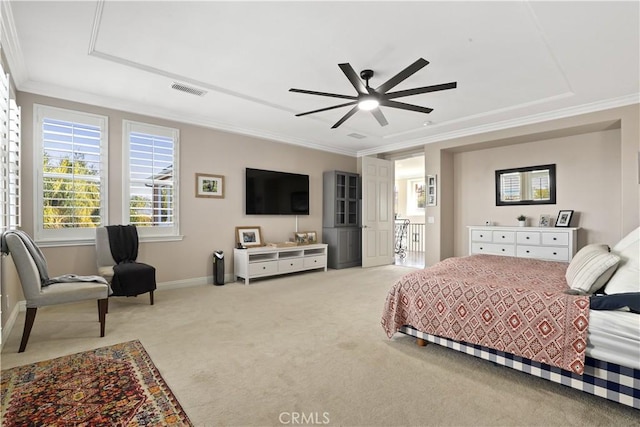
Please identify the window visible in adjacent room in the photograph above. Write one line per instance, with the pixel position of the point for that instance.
(71, 181)
(151, 180)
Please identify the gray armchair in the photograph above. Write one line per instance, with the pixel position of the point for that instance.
(39, 290)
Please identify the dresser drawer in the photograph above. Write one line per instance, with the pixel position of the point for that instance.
(493, 249)
(528, 237)
(267, 267)
(480, 236)
(560, 239)
(292, 264)
(504, 237)
(314, 262)
(543, 252)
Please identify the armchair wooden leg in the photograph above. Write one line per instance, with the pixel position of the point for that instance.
(28, 324)
(102, 313)
(151, 297)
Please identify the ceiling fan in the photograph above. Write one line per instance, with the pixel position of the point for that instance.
(370, 99)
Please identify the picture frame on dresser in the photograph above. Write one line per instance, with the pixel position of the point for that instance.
(249, 237)
(564, 218)
(545, 221)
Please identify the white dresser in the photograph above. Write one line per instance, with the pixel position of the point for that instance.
(267, 261)
(549, 243)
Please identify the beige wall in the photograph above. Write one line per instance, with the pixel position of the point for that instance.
(207, 224)
(587, 176)
(597, 160)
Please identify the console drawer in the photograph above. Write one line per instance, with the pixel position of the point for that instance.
(314, 262)
(267, 267)
(290, 264)
(480, 236)
(504, 237)
(528, 237)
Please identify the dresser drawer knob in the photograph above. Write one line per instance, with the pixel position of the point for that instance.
(503, 237)
(482, 235)
(555, 238)
(527, 251)
(481, 248)
(264, 268)
(503, 250)
(555, 253)
(527, 237)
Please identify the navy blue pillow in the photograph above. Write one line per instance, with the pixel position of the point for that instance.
(616, 301)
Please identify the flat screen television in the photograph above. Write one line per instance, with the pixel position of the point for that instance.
(276, 193)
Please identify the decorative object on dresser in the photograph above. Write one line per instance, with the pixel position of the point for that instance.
(545, 220)
(564, 218)
(534, 242)
(341, 218)
(300, 238)
(522, 220)
(248, 236)
(259, 262)
(211, 186)
(312, 237)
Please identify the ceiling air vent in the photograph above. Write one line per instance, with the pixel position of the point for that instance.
(356, 136)
(188, 89)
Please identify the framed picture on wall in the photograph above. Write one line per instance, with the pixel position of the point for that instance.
(209, 186)
(432, 199)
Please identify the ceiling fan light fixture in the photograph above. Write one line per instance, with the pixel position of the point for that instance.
(368, 103)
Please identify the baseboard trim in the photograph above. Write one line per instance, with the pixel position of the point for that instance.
(11, 321)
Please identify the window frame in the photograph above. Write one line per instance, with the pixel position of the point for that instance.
(153, 233)
(67, 236)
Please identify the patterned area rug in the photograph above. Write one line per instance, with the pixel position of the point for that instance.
(115, 385)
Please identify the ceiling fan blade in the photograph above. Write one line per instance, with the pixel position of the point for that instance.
(377, 113)
(420, 90)
(351, 74)
(332, 95)
(402, 75)
(403, 106)
(345, 117)
(326, 108)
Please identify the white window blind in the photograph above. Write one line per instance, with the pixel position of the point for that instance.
(13, 168)
(9, 157)
(72, 147)
(152, 190)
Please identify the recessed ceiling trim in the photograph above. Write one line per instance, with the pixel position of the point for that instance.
(608, 104)
(93, 51)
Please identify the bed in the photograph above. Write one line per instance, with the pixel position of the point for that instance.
(576, 324)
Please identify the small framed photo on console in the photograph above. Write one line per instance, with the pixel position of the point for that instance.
(248, 237)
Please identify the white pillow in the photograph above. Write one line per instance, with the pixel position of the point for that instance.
(591, 268)
(627, 277)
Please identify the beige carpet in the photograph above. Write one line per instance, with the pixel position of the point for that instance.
(309, 345)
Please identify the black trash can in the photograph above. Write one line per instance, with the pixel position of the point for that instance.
(218, 268)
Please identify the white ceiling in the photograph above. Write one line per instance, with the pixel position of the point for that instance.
(514, 62)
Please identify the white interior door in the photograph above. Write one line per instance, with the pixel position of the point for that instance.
(377, 212)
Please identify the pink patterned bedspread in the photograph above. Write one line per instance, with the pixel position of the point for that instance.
(516, 305)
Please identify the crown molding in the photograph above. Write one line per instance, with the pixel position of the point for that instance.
(593, 107)
(11, 45)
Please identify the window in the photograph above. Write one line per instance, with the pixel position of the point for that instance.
(9, 158)
(151, 184)
(70, 147)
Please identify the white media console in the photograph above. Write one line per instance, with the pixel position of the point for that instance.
(267, 261)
